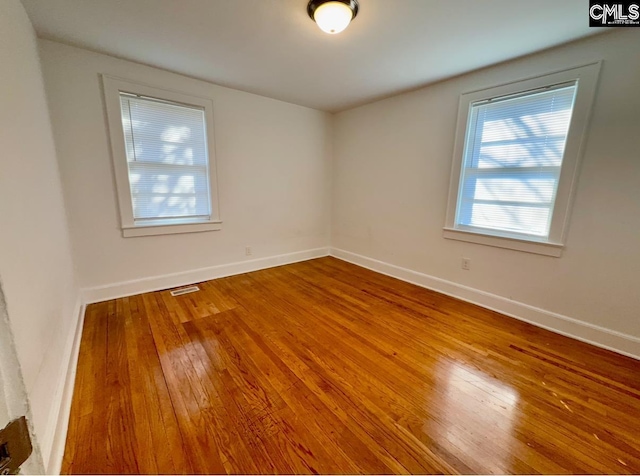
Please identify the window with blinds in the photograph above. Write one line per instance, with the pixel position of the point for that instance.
(513, 155)
(167, 160)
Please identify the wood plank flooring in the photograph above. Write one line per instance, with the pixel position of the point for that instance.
(326, 367)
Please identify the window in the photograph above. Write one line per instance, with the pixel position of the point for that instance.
(515, 161)
(162, 145)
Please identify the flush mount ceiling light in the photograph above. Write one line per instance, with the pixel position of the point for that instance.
(332, 16)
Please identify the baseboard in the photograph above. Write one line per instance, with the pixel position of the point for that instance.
(52, 445)
(599, 336)
(156, 283)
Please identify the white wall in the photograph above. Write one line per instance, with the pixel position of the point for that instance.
(392, 163)
(384, 196)
(273, 173)
(35, 256)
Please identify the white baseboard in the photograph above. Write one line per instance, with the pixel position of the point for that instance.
(599, 336)
(156, 283)
(53, 443)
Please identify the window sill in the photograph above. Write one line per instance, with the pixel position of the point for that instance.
(540, 248)
(149, 230)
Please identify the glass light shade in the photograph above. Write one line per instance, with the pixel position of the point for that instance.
(333, 17)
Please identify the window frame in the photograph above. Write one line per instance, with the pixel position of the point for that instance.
(113, 86)
(586, 78)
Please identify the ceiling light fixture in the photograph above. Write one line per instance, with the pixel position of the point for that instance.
(332, 16)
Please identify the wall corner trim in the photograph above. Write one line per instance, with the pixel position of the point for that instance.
(599, 336)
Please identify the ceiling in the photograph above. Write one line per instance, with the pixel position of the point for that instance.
(272, 48)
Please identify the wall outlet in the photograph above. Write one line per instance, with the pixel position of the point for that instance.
(466, 264)
(247, 251)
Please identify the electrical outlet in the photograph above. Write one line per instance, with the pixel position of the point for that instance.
(466, 264)
(247, 251)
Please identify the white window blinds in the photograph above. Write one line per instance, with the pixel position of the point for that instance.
(512, 161)
(166, 147)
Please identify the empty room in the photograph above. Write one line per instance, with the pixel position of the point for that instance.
(319, 237)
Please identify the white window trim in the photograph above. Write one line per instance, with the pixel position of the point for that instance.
(112, 88)
(587, 79)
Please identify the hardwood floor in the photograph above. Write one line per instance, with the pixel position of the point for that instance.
(326, 367)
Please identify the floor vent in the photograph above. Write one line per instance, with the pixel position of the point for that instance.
(181, 291)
